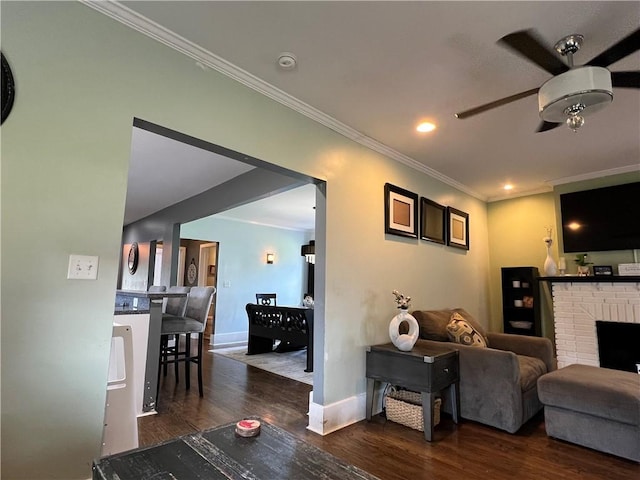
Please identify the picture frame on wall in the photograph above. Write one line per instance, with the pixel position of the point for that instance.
(400, 211)
(457, 228)
(432, 221)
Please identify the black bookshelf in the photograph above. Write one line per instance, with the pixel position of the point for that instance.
(521, 301)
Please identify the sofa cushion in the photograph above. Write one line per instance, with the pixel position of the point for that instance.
(474, 323)
(531, 369)
(433, 324)
(461, 331)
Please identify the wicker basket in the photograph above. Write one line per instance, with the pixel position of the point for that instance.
(405, 407)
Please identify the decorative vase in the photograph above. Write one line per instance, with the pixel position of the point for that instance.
(405, 341)
(550, 267)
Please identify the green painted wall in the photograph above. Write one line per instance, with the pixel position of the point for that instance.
(81, 79)
(516, 229)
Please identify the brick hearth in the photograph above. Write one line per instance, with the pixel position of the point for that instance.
(577, 306)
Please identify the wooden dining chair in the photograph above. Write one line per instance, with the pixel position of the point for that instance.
(266, 299)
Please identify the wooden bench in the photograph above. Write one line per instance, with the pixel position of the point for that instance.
(291, 325)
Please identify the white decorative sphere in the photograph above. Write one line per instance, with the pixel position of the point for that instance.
(405, 341)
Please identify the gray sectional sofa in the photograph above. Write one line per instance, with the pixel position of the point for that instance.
(594, 407)
(498, 383)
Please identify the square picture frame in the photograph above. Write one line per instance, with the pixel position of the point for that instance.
(400, 211)
(602, 270)
(433, 225)
(457, 228)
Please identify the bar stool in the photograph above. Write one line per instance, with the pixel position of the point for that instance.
(192, 321)
(173, 307)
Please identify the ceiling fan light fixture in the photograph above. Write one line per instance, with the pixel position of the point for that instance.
(574, 122)
(587, 86)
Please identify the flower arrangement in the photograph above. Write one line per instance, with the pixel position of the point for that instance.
(401, 300)
(548, 241)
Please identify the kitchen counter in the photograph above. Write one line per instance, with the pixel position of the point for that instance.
(145, 311)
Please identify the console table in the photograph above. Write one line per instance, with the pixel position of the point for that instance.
(425, 369)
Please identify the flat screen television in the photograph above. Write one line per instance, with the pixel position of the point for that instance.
(601, 219)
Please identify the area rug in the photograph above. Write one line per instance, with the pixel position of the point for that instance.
(286, 364)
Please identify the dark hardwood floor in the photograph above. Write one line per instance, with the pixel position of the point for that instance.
(233, 390)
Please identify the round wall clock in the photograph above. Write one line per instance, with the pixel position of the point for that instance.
(133, 258)
(8, 89)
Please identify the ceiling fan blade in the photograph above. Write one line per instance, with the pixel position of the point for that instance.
(625, 79)
(626, 46)
(495, 104)
(545, 126)
(530, 46)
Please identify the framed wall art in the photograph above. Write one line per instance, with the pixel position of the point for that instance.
(458, 228)
(132, 260)
(602, 270)
(400, 211)
(432, 221)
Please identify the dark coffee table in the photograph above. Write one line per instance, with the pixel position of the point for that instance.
(426, 369)
(221, 454)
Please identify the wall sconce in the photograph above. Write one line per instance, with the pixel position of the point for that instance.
(309, 252)
(270, 258)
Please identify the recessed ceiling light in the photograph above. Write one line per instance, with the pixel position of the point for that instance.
(508, 186)
(425, 127)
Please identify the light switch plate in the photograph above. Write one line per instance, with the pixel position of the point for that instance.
(82, 267)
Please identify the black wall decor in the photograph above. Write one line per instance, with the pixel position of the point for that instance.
(8, 88)
(132, 260)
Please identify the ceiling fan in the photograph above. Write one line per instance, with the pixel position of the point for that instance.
(572, 92)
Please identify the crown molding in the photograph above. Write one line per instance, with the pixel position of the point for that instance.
(526, 193)
(592, 175)
(203, 57)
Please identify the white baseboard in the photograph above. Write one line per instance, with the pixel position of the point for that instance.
(223, 340)
(324, 419)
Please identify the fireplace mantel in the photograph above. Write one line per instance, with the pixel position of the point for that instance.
(591, 279)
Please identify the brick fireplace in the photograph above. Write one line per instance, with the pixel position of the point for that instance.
(578, 303)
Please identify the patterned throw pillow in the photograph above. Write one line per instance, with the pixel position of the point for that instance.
(462, 332)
